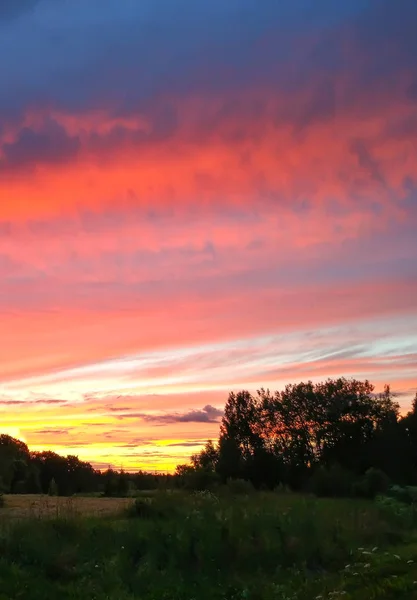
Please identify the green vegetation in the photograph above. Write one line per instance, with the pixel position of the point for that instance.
(307, 494)
(337, 438)
(238, 544)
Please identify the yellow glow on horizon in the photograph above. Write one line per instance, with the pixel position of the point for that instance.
(14, 432)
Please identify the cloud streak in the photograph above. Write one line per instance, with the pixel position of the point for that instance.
(208, 414)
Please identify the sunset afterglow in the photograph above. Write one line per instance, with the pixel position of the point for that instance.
(197, 198)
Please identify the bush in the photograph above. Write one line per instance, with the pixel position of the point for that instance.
(150, 509)
(142, 509)
(400, 514)
(239, 486)
(333, 482)
(406, 495)
(375, 482)
(197, 479)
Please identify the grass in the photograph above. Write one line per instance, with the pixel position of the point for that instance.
(21, 506)
(177, 546)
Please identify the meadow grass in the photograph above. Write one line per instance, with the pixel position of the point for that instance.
(179, 546)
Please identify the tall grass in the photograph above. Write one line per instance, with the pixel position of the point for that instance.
(207, 547)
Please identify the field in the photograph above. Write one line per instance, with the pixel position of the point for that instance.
(178, 546)
(19, 506)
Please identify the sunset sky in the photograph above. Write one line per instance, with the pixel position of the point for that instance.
(198, 197)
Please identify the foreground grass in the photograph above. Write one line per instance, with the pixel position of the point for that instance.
(203, 547)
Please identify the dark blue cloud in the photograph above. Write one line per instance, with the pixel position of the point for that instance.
(51, 144)
(208, 414)
(124, 55)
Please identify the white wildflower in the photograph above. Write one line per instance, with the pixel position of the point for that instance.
(347, 567)
(409, 562)
(360, 549)
(366, 552)
(375, 549)
(356, 573)
(318, 597)
(367, 566)
(397, 557)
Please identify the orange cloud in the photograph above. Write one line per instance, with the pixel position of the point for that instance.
(219, 152)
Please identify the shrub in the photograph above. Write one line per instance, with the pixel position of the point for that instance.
(406, 495)
(375, 482)
(331, 482)
(141, 508)
(400, 514)
(149, 509)
(198, 479)
(239, 486)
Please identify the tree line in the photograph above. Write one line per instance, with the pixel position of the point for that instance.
(337, 437)
(25, 472)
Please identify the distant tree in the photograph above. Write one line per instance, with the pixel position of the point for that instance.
(52, 488)
(111, 482)
(14, 460)
(52, 466)
(207, 458)
(32, 482)
(123, 483)
(195, 478)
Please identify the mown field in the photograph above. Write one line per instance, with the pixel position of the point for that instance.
(23, 506)
(184, 546)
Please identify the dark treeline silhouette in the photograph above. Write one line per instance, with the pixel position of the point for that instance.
(333, 438)
(25, 472)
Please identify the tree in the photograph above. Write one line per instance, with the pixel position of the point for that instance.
(241, 422)
(207, 458)
(230, 463)
(355, 418)
(408, 433)
(285, 436)
(14, 459)
(111, 482)
(290, 422)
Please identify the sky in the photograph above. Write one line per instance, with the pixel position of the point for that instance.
(199, 197)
